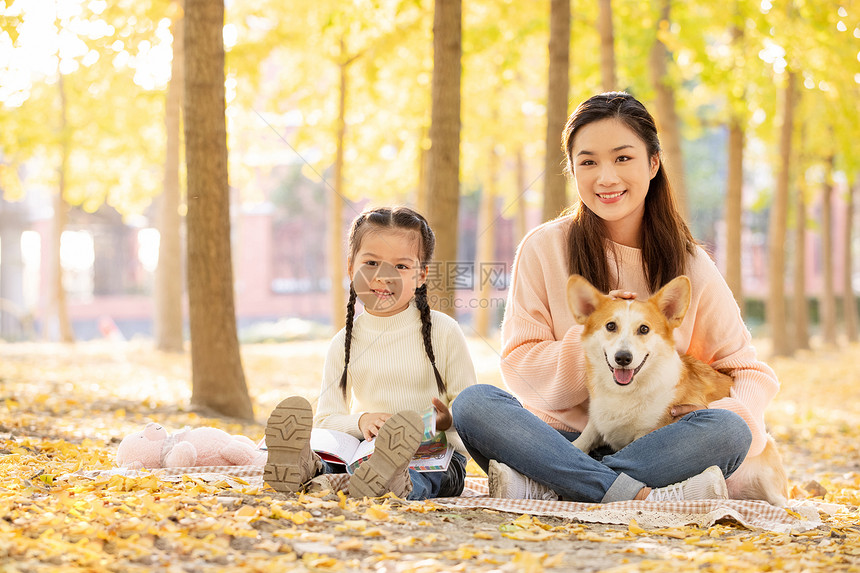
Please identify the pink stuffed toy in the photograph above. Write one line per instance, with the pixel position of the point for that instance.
(154, 448)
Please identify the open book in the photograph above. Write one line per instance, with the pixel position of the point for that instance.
(433, 454)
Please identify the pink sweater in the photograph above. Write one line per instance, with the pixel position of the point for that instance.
(542, 359)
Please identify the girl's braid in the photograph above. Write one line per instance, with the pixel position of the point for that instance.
(426, 325)
(350, 315)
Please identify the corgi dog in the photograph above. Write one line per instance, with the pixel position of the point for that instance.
(635, 376)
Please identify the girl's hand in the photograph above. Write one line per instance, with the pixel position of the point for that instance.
(444, 419)
(681, 410)
(370, 422)
(623, 294)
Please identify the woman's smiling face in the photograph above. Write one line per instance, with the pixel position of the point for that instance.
(386, 270)
(613, 171)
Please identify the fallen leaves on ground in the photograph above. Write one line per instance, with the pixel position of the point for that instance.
(63, 409)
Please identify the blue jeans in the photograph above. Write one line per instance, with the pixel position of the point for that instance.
(448, 483)
(426, 485)
(494, 425)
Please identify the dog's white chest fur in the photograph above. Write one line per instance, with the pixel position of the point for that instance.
(621, 417)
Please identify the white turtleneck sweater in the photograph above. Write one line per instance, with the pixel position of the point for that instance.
(389, 370)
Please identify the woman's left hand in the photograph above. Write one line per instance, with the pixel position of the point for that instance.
(444, 419)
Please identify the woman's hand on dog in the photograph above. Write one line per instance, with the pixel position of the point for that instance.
(623, 294)
(370, 422)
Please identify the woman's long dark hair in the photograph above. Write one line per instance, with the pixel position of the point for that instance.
(394, 218)
(664, 237)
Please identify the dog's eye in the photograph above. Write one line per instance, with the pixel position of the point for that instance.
(644, 329)
(611, 326)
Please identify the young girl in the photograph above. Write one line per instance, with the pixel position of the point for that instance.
(396, 358)
(626, 236)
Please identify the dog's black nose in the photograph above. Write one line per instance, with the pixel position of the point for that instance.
(623, 357)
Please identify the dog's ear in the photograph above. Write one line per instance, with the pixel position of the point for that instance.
(673, 299)
(582, 298)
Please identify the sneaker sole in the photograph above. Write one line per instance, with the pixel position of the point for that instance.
(495, 480)
(721, 490)
(395, 445)
(288, 430)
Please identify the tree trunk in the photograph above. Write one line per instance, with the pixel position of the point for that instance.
(14, 315)
(521, 222)
(486, 246)
(734, 210)
(667, 116)
(421, 199)
(336, 260)
(849, 302)
(827, 313)
(444, 173)
(775, 305)
(218, 381)
(59, 327)
(168, 274)
(59, 314)
(735, 189)
(801, 306)
(607, 46)
(555, 183)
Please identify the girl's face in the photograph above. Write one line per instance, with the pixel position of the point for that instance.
(613, 171)
(386, 270)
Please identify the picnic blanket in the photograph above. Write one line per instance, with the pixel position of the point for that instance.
(801, 515)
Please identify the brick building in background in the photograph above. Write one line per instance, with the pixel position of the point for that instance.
(279, 256)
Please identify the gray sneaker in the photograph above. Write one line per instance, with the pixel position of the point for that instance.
(507, 483)
(710, 484)
(387, 469)
(290, 463)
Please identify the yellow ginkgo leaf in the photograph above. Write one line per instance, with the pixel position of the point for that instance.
(535, 534)
(353, 544)
(246, 512)
(634, 528)
(376, 513)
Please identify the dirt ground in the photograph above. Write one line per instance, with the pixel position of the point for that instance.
(64, 409)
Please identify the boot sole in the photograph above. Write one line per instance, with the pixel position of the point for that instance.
(395, 445)
(288, 430)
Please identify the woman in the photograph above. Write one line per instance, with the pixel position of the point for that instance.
(625, 236)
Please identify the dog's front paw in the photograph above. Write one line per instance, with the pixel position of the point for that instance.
(582, 445)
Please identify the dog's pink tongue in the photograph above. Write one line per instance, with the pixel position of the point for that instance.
(623, 375)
